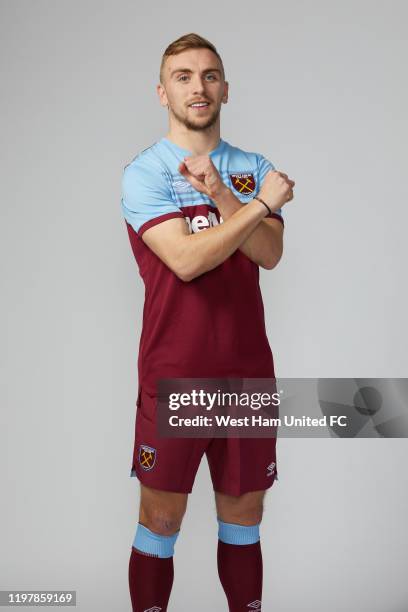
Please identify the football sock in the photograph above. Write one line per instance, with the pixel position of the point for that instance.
(151, 570)
(239, 559)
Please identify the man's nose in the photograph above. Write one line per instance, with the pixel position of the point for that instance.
(197, 84)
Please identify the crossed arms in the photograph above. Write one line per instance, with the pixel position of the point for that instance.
(244, 227)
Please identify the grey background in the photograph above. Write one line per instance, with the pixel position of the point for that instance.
(319, 88)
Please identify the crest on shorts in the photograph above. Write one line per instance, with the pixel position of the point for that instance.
(147, 457)
(243, 182)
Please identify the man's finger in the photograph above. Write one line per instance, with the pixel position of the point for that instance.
(285, 176)
(190, 177)
(195, 168)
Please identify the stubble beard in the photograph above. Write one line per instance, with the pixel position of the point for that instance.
(199, 126)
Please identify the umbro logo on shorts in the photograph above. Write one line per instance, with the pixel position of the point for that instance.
(147, 459)
(270, 469)
(154, 609)
(255, 605)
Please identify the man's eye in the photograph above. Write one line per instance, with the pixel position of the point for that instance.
(211, 76)
(183, 77)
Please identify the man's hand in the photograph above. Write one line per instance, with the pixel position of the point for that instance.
(277, 189)
(200, 171)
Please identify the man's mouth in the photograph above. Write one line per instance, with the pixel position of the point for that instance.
(199, 105)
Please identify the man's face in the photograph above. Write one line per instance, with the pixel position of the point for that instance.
(190, 77)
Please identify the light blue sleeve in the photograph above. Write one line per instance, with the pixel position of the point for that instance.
(146, 196)
(264, 166)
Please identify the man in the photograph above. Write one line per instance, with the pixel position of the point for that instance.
(202, 216)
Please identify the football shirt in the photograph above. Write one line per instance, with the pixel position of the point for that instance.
(212, 326)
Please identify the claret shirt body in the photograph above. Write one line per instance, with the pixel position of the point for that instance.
(212, 326)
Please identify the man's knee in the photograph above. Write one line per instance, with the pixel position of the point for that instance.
(246, 517)
(246, 509)
(162, 512)
(160, 520)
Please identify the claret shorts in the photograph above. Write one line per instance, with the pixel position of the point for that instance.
(237, 465)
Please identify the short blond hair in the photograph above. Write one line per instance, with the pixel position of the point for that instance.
(185, 42)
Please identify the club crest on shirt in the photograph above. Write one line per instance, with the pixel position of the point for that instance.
(147, 457)
(243, 182)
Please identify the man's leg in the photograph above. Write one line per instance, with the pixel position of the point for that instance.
(239, 553)
(151, 559)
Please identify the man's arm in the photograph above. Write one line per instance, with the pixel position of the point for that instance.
(264, 246)
(190, 255)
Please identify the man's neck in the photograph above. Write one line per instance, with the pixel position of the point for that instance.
(198, 142)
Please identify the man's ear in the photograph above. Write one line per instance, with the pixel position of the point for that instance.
(226, 90)
(161, 92)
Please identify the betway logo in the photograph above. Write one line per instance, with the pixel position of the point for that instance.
(197, 223)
